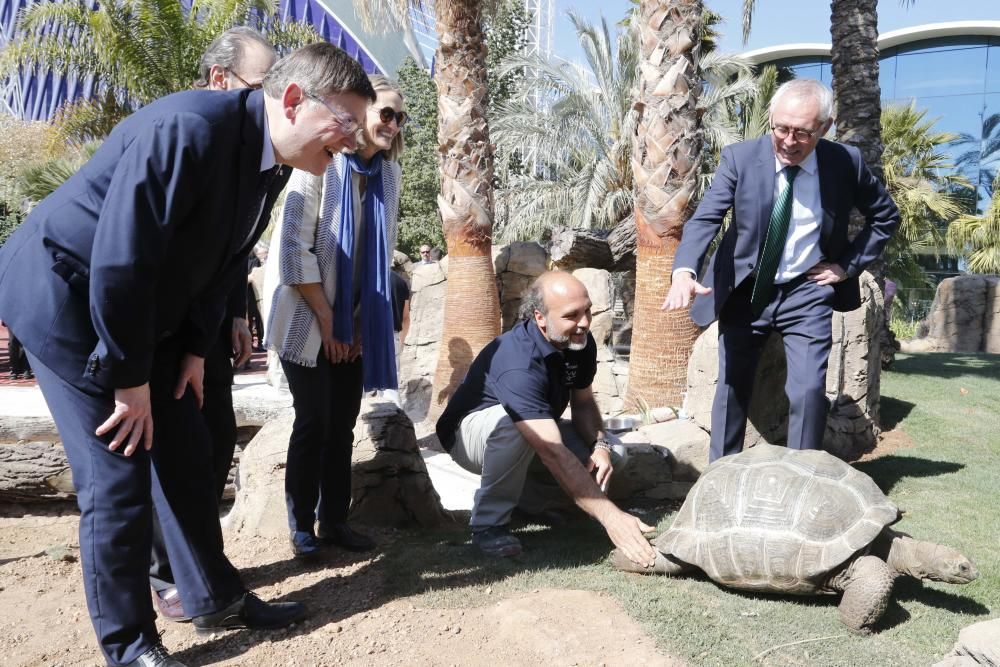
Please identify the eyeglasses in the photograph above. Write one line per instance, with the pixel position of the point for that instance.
(344, 119)
(251, 86)
(386, 114)
(799, 134)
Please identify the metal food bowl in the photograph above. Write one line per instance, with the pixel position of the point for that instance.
(620, 424)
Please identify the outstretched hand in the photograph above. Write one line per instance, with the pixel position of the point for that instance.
(683, 288)
(626, 531)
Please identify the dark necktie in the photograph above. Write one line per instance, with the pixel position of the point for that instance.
(260, 197)
(774, 245)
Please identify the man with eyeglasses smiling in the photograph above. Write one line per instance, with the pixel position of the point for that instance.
(116, 284)
(785, 263)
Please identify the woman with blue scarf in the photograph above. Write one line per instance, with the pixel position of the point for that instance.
(330, 319)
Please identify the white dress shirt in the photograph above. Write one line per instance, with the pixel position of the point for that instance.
(802, 243)
(802, 250)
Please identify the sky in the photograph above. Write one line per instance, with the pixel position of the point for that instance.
(775, 21)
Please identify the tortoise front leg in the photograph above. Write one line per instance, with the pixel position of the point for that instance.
(664, 564)
(867, 586)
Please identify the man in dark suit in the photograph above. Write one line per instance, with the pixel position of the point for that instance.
(785, 262)
(116, 283)
(238, 58)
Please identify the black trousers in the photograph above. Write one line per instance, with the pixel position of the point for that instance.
(217, 412)
(116, 495)
(254, 319)
(327, 402)
(18, 357)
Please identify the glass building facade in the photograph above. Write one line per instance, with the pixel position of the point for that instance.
(956, 80)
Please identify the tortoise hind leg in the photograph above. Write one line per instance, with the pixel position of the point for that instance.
(867, 587)
(664, 564)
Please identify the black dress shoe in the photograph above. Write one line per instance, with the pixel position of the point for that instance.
(251, 612)
(304, 544)
(344, 537)
(156, 657)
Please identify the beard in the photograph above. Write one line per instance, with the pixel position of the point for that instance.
(568, 342)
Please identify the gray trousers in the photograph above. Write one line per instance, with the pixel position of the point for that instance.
(487, 443)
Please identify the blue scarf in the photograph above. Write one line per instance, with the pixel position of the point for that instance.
(377, 342)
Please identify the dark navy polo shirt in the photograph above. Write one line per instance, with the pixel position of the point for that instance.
(523, 372)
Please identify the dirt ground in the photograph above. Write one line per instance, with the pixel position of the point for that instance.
(44, 621)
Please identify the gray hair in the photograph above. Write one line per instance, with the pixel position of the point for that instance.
(321, 69)
(227, 50)
(532, 301)
(806, 88)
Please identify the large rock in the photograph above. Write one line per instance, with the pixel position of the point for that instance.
(420, 349)
(977, 645)
(664, 461)
(390, 484)
(852, 382)
(965, 317)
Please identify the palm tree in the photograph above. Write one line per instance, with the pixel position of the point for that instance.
(982, 155)
(472, 309)
(135, 50)
(922, 181)
(978, 237)
(574, 129)
(665, 161)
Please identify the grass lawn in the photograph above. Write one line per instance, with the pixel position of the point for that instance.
(946, 482)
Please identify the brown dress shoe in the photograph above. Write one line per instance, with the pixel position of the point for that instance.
(168, 603)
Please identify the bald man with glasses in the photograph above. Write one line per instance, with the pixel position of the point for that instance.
(785, 263)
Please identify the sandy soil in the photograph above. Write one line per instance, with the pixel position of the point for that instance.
(44, 621)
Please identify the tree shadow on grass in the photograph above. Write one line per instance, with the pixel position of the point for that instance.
(888, 470)
(892, 411)
(947, 365)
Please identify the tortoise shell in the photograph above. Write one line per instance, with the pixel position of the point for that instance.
(777, 519)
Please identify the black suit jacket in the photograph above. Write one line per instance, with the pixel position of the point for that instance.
(744, 183)
(144, 243)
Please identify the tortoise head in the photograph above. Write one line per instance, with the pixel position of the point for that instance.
(952, 567)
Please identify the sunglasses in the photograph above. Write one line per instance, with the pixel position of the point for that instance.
(386, 114)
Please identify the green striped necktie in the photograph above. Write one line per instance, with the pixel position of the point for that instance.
(774, 245)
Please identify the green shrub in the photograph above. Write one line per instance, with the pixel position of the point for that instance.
(904, 329)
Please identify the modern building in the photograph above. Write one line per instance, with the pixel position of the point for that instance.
(37, 96)
(951, 70)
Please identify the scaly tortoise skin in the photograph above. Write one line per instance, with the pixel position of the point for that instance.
(772, 519)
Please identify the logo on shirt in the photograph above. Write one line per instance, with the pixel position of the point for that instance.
(569, 373)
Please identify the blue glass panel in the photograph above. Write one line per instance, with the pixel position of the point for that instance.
(944, 44)
(953, 72)
(993, 67)
(887, 77)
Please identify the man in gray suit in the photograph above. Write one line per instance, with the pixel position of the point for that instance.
(785, 262)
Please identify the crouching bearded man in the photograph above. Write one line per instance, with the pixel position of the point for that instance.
(503, 423)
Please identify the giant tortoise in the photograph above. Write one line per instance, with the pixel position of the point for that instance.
(780, 520)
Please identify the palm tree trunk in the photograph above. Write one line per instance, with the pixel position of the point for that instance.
(854, 55)
(472, 308)
(855, 68)
(665, 162)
